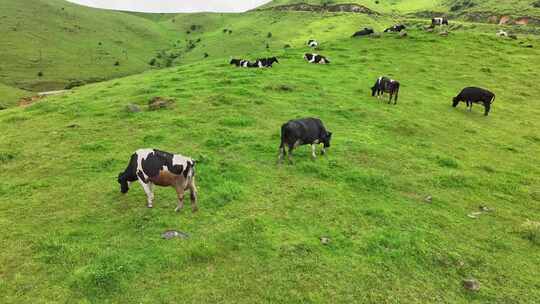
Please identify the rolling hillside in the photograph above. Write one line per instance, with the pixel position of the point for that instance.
(70, 236)
(515, 8)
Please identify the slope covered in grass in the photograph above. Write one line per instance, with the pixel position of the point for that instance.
(9, 96)
(70, 236)
(67, 42)
(511, 7)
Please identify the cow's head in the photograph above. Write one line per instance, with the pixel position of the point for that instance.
(122, 180)
(455, 101)
(326, 140)
(274, 59)
(374, 90)
(234, 61)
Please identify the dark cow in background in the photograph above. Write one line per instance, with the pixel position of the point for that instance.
(472, 95)
(314, 58)
(266, 62)
(305, 131)
(236, 62)
(365, 32)
(312, 43)
(439, 21)
(396, 28)
(154, 167)
(386, 85)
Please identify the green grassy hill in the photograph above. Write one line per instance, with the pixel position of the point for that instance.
(506, 7)
(9, 96)
(70, 236)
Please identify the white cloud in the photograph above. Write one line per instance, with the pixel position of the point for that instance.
(174, 6)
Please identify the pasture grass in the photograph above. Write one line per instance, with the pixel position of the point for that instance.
(69, 236)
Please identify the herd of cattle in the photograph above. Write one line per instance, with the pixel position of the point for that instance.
(154, 167)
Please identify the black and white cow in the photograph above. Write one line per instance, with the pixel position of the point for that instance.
(472, 95)
(315, 58)
(244, 63)
(154, 167)
(395, 28)
(439, 21)
(365, 32)
(312, 43)
(386, 85)
(305, 131)
(266, 62)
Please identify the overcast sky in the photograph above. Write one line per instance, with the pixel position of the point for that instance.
(174, 6)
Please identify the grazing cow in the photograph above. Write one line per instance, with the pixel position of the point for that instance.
(386, 85)
(439, 21)
(472, 95)
(365, 32)
(236, 62)
(312, 43)
(154, 167)
(306, 131)
(314, 58)
(395, 28)
(266, 62)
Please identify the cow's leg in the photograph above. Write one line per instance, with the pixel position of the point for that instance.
(313, 150)
(193, 195)
(487, 108)
(281, 153)
(149, 190)
(391, 95)
(180, 189)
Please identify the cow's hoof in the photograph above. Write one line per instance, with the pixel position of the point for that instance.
(178, 209)
(150, 206)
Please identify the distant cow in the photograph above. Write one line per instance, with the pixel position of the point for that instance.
(244, 63)
(266, 62)
(386, 85)
(154, 167)
(365, 32)
(306, 131)
(314, 58)
(472, 95)
(439, 21)
(395, 28)
(312, 43)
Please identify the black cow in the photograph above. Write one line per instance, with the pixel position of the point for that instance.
(439, 21)
(395, 28)
(315, 58)
(154, 167)
(266, 62)
(386, 85)
(472, 95)
(365, 32)
(306, 131)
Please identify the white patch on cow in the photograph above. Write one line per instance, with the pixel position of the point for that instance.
(142, 154)
(180, 160)
(313, 43)
(313, 56)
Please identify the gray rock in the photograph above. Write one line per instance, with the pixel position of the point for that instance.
(444, 34)
(403, 34)
(428, 199)
(133, 108)
(170, 234)
(471, 284)
(325, 240)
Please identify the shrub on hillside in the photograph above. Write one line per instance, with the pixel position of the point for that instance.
(40, 74)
